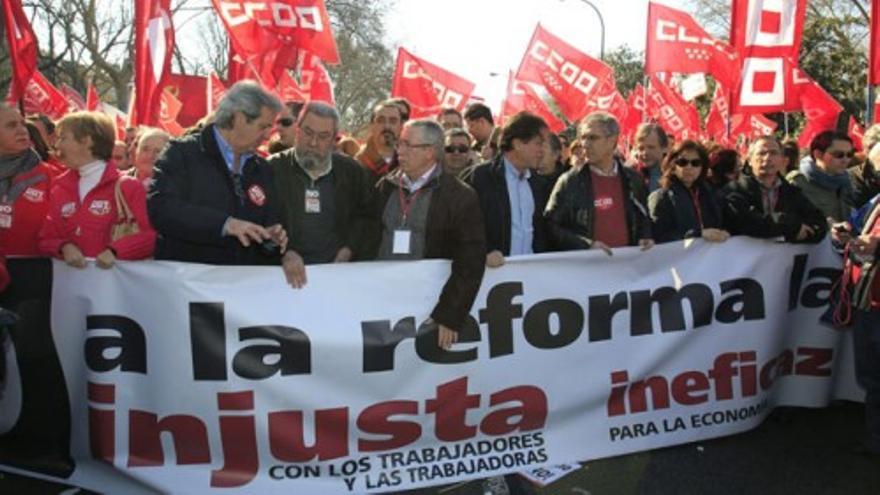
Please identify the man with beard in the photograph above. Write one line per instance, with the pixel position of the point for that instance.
(379, 155)
(324, 196)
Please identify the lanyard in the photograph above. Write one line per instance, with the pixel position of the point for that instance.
(695, 196)
(406, 203)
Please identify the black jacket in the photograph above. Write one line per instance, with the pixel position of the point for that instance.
(674, 216)
(353, 217)
(571, 213)
(743, 212)
(454, 232)
(193, 194)
(488, 180)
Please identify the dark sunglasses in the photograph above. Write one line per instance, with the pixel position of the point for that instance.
(456, 149)
(285, 122)
(842, 154)
(683, 162)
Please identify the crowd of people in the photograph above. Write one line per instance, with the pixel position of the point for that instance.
(454, 187)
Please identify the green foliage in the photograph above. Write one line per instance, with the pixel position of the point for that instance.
(629, 67)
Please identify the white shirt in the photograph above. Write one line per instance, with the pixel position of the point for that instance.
(415, 185)
(89, 176)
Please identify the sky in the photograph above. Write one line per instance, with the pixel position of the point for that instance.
(481, 40)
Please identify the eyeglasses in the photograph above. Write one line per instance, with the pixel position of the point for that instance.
(310, 134)
(684, 162)
(285, 122)
(842, 154)
(407, 144)
(457, 149)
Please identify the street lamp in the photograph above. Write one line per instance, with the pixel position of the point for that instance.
(601, 26)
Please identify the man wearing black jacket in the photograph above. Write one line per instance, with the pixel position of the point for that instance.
(512, 195)
(212, 198)
(763, 204)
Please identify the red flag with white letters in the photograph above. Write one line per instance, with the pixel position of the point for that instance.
(74, 100)
(522, 97)
(41, 96)
(169, 108)
(676, 43)
(153, 45)
(193, 91)
(569, 75)
(315, 81)
(676, 115)
(608, 99)
(428, 87)
(289, 90)
(767, 36)
(22, 47)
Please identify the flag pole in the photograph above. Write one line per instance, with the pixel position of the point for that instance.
(727, 123)
(785, 123)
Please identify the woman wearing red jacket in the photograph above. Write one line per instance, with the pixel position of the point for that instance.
(83, 207)
(25, 182)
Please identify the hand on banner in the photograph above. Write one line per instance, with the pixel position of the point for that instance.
(494, 259)
(646, 244)
(73, 256)
(715, 235)
(865, 245)
(446, 337)
(805, 232)
(601, 245)
(343, 255)
(841, 233)
(105, 259)
(246, 232)
(294, 269)
(279, 235)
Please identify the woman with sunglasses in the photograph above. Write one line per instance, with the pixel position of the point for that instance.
(685, 206)
(822, 176)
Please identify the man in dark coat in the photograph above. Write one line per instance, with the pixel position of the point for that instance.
(212, 199)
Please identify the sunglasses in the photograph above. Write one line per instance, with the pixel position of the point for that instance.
(456, 149)
(842, 154)
(683, 162)
(285, 122)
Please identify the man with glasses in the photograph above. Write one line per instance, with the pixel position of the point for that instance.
(458, 151)
(823, 177)
(324, 196)
(512, 195)
(602, 204)
(425, 213)
(378, 153)
(763, 204)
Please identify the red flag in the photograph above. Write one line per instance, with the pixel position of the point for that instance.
(874, 45)
(215, 89)
(169, 108)
(22, 47)
(521, 97)
(855, 132)
(288, 88)
(677, 116)
(93, 101)
(716, 121)
(428, 87)
(608, 99)
(192, 90)
(676, 43)
(282, 26)
(569, 75)
(820, 109)
(74, 99)
(153, 44)
(40, 96)
(767, 36)
(760, 126)
(315, 80)
(120, 126)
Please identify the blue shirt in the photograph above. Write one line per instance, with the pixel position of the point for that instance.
(228, 155)
(522, 209)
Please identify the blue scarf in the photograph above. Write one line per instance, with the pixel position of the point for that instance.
(831, 182)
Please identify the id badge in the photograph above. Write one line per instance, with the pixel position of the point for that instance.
(401, 241)
(313, 200)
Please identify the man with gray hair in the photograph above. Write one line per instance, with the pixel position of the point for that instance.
(324, 196)
(603, 204)
(212, 199)
(425, 213)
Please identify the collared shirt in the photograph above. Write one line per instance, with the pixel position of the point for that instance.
(415, 185)
(769, 197)
(522, 209)
(89, 176)
(228, 155)
(596, 170)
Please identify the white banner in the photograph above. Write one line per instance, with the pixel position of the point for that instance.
(187, 378)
